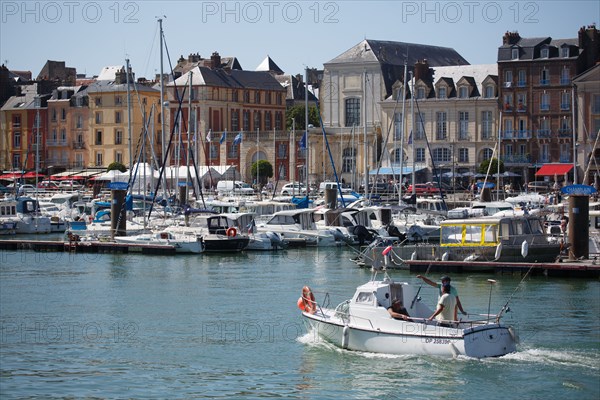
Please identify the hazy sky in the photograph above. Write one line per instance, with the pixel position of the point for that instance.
(89, 35)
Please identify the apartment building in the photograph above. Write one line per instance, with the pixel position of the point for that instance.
(244, 111)
(537, 96)
(453, 127)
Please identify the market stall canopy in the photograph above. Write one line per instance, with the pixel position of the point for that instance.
(554, 169)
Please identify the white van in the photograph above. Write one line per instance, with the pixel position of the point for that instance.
(235, 187)
(331, 185)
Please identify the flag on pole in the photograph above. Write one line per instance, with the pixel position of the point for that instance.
(223, 137)
(238, 138)
(302, 142)
(410, 138)
(209, 136)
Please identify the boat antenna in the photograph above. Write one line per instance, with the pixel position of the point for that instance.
(505, 308)
(491, 282)
(419, 290)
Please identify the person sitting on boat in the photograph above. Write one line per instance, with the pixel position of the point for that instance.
(446, 306)
(445, 281)
(398, 311)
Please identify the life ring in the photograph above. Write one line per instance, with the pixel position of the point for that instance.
(309, 304)
(231, 232)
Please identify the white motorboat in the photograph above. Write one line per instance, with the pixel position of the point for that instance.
(298, 228)
(363, 323)
(182, 243)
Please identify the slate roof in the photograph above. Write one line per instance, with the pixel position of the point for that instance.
(475, 74)
(397, 53)
(295, 88)
(203, 76)
(393, 55)
(111, 86)
(268, 65)
(529, 48)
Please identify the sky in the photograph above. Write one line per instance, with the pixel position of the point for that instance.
(89, 35)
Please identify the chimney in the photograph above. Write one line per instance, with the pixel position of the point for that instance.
(422, 70)
(511, 38)
(215, 60)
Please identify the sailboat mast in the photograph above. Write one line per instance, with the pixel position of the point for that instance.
(162, 105)
(412, 130)
(129, 117)
(189, 131)
(365, 156)
(306, 127)
(401, 133)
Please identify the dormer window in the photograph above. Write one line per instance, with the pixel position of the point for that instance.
(489, 92)
(564, 52)
(544, 52)
(463, 92)
(420, 92)
(442, 92)
(515, 53)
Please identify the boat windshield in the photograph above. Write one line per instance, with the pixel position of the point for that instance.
(469, 234)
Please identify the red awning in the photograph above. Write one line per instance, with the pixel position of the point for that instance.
(32, 174)
(11, 176)
(554, 169)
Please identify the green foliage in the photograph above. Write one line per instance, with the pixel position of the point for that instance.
(116, 165)
(297, 113)
(265, 171)
(483, 167)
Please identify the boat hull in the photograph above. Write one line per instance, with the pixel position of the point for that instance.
(489, 340)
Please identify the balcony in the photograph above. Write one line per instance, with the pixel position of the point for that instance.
(78, 145)
(565, 132)
(544, 107)
(522, 83)
(464, 137)
(521, 107)
(544, 133)
(565, 159)
(522, 134)
(544, 82)
(516, 159)
(507, 134)
(565, 106)
(565, 81)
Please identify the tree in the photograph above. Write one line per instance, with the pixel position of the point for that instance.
(297, 113)
(265, 171)
(483, 167)
(116, 165)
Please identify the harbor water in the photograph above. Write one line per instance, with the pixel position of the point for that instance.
(227, 326)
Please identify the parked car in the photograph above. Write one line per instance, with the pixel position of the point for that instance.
(293, 188)
(48, 185)
(540, 186)
(71, 185)
(424, 189)
(378, 188)
(27, 188)
(234, 187)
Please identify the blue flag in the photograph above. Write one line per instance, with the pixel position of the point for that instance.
(223, 137)
(410, 138)
(238, 138)
(302, 143)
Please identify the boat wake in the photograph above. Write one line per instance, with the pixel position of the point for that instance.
(569, 359)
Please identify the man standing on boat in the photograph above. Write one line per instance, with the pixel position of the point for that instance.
(446, 306)
(445, 281)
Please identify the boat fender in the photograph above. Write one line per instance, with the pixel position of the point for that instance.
(454, 350)
(413, 256)
(445, 256)
(231, 232)
(524, 248)
(498, 251)
(513, 334)
(345, 337)
(308, 299)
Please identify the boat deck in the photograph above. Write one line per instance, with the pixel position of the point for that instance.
(86, 247)
(571, 268)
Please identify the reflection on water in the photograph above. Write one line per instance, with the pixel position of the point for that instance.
(129, 325)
